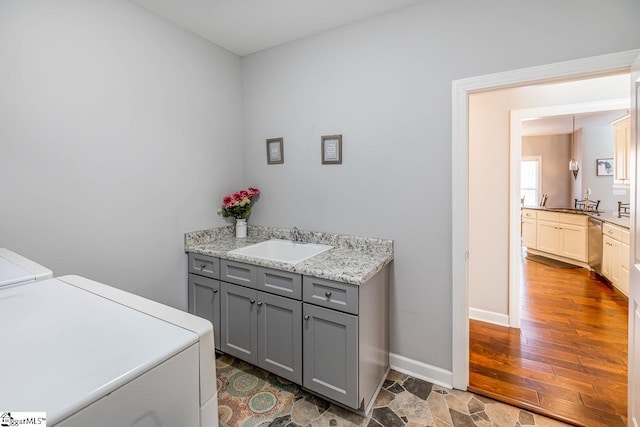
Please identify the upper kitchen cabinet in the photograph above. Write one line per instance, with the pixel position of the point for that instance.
(622, 142)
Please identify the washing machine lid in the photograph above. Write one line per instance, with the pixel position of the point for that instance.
(64, 347)
(18, 269)
(11, 273)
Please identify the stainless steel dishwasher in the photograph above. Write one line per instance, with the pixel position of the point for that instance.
(595, 245)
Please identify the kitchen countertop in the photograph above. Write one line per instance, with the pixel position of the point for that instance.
(610, 217)
(353, 259)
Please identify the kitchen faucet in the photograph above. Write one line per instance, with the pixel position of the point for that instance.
(296, 236)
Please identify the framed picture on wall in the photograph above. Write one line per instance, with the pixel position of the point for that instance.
(275, 152)
(332, 150)
(604, 167)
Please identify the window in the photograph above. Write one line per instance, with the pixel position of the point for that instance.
(530, 180)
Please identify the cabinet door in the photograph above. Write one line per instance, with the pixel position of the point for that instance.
(622, 141)
(574, 242)
(204, 301)
(529, 233)
(330, 349)
(280, 336)
(624, 268)
(611, 266)
(239, 322)
(548, 237)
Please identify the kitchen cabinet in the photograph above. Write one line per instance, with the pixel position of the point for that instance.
(529, 229)
(621, 154)
(204, 291)
(615, 256)
(611, 255)
(560, 234)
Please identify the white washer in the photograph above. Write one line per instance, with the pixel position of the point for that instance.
(90, 354)
(16, 269)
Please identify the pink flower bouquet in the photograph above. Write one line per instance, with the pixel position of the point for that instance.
(238, 204)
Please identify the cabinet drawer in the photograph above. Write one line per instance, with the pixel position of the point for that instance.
(528, 213)
(330, 294)
(204, 265)
(611, 231)
(238, 273)
(280, 283)
(625, 237)
(548, 216)
(574, 219)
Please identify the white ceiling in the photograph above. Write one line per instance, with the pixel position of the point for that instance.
(248, 26)
(559, 125)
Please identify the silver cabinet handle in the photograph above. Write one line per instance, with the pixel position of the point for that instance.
(202, 266)
(306, 317)
(215, 291)
(252, 301)
(259, 303)
(327, 294)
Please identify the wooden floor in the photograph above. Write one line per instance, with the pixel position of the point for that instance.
(568, 360)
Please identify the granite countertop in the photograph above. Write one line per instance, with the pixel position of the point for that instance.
(610, 217)
(352, 260)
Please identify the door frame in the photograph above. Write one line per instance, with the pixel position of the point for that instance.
(461, 89)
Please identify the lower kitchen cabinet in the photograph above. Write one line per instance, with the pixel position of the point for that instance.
(262, 329)
(204, 301)
(611, 268)
(330, 340)
(615, 256)
(529, 233)
(560, 234)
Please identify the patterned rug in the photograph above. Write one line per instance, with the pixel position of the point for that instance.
(249, 396)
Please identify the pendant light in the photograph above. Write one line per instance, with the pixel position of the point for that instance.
(573, 163)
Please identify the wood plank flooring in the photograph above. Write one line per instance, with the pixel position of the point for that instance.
(568, 360)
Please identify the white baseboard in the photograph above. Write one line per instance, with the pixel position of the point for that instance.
(421, 370)
(489, 316)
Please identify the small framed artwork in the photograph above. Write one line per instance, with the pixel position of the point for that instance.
(275, 152)
(332, 150)
(604, 167)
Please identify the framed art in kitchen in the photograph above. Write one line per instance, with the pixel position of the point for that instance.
(604, 167)
(332, 150)
(275, 152)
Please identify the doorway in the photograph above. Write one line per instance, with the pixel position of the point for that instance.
(607, 64)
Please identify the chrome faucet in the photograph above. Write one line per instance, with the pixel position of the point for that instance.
(296, 236)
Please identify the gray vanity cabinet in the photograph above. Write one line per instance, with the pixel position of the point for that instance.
(280, 336)
(239, 322)
(345, 339)
(204, 290)
(204, 301)
(259, 327)
(330, 337)
(330, 340)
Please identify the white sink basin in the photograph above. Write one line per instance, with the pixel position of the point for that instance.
(282, 251)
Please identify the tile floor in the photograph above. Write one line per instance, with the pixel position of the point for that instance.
(407, 401)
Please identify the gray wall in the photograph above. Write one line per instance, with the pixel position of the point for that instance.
(598, 143)
(118, 133)
(385, 85)
(555, 151)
